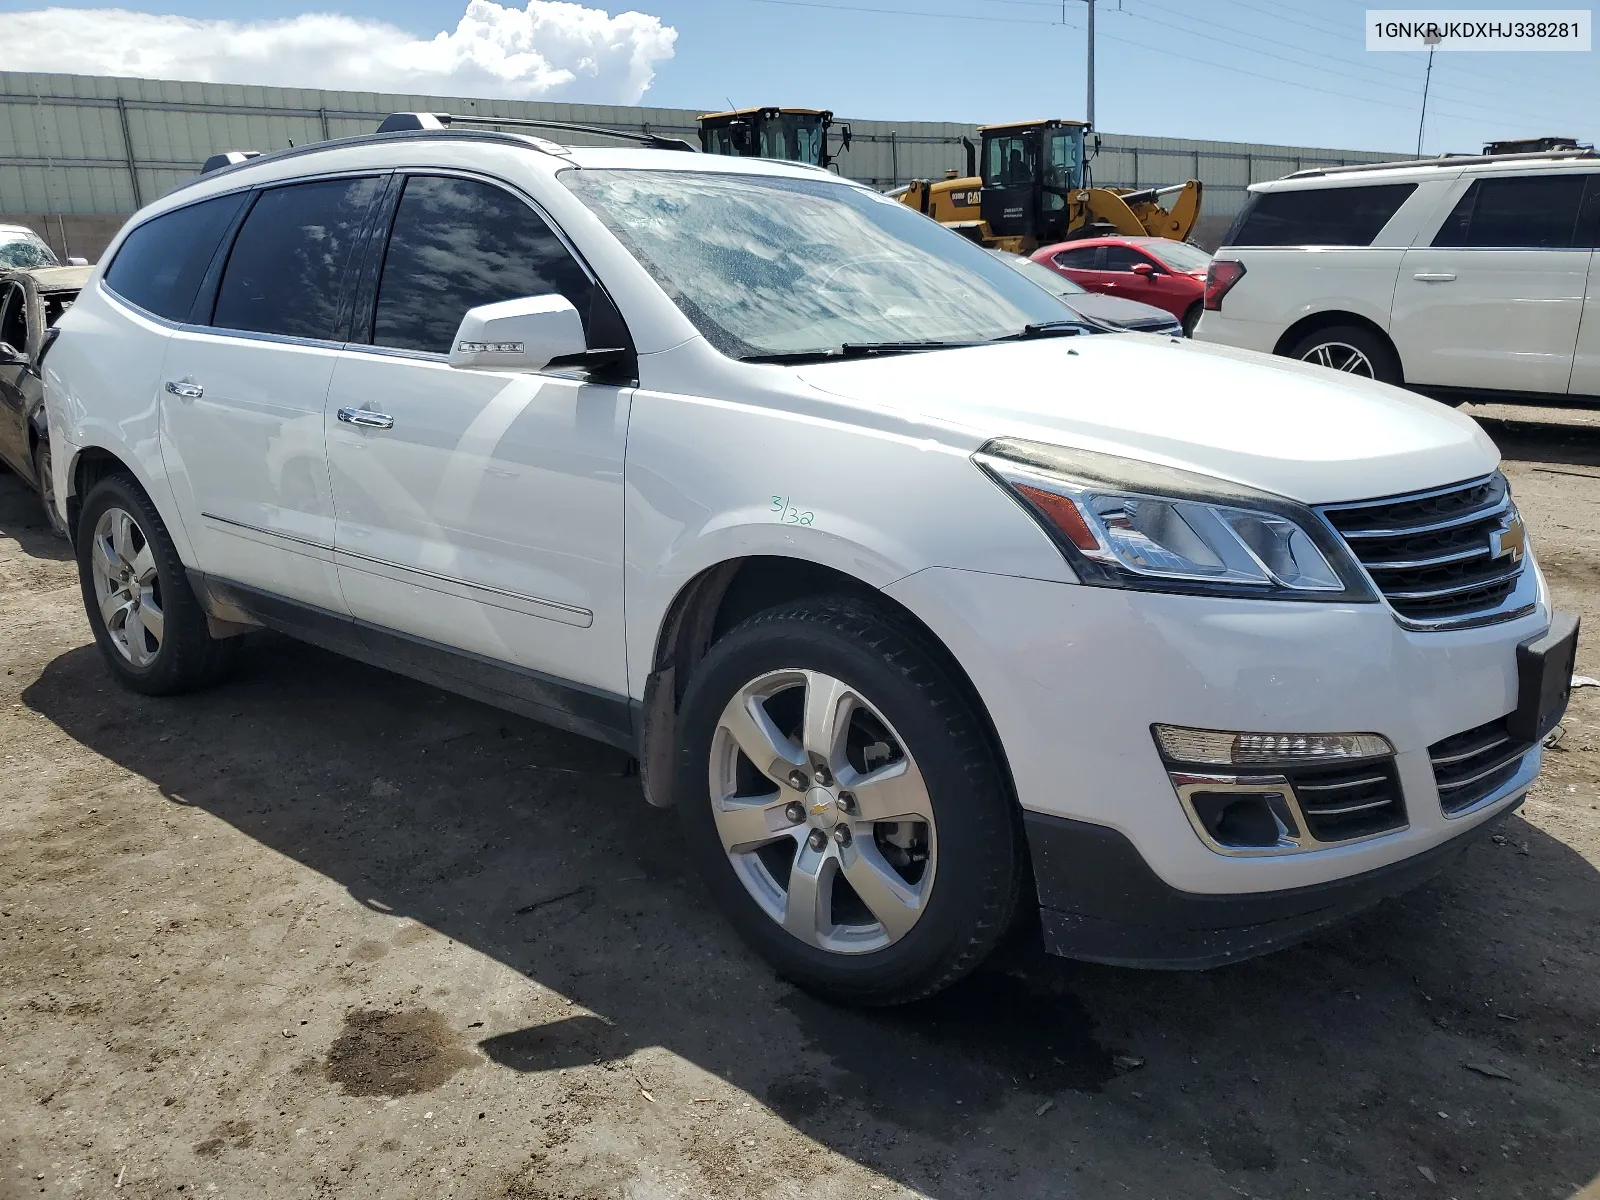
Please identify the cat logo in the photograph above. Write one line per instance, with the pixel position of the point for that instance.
(1510, 540)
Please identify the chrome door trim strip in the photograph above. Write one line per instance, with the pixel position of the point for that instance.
(569, 614)
(271, 533)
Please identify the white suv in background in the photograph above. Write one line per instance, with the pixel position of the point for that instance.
(1464, 278)
(819, 510)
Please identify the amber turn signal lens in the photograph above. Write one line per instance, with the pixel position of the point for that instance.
(1063, 514)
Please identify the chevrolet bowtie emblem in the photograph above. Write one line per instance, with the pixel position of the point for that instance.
(1510, 540)
(821, 806)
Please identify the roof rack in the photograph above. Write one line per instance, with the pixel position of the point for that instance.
(1446, 160)
(228, 158)
(405, 121)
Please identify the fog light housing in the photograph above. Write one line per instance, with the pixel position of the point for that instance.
(1282, 793)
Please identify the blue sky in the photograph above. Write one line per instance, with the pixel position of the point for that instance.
(1287, 71)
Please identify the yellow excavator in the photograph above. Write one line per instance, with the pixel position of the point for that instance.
(1034, 189)
(792, 134)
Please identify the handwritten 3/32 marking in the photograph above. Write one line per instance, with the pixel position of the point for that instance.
(788, 514)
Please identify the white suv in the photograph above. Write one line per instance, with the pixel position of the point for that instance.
(821, 512)
(1464, 278)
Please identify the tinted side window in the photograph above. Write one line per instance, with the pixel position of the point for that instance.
(1539, 211)
(161, 263)
(1589, 216)
(286, 273)
(459, 243)
(1077, 260)
(1122, 258)
(1340, 216)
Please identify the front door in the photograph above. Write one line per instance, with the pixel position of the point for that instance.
(479, 511)
(1010, 184)
(1495, 301)
(1586, 356)
(243, 396)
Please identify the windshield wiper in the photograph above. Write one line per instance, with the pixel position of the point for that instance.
(1048, 329)
(853, 350)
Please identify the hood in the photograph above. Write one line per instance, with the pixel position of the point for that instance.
(1114, 310)
(1290, 428)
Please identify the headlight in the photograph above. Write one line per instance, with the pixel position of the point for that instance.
(1124, 523)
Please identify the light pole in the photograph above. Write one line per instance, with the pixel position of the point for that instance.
(1089, 106)
(1432, 39)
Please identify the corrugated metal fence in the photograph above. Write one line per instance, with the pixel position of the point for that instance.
(76, 146)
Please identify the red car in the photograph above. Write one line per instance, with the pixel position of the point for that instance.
(1168, 274)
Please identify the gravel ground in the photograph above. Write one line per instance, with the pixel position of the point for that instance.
(324, 931)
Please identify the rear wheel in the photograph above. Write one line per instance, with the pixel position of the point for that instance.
(840, 797)
(44, 475)
(150, 628)
(1351, 350)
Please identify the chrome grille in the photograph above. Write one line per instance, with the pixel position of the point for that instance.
(1469, 766)
(1433, 554)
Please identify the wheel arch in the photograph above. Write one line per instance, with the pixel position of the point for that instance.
(716, 600)
(1330, 318)
(94, 462)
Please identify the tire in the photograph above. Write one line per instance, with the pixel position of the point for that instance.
(135, 571)
(46, 481)
(1351, 349)
(947, 880)
(1191, 318)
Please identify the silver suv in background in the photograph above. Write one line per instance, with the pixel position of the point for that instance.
(1464, 278)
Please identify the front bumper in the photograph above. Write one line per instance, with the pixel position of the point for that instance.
(1073, 677)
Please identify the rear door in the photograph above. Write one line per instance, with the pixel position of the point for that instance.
(1079, 264)
(1495, 300)
(244, 386)
(1586, 355)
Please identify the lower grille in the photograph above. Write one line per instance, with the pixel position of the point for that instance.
(1438, 556)
(1349, 801)
(1469, 766)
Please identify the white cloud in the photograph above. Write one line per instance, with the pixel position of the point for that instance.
(548, 50)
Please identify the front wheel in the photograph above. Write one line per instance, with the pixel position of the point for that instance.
(1351, 350)
(1191, 318)
(841, 799)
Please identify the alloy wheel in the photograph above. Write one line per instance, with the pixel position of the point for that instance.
(822, 812)
(127, 587)
(1340, 356)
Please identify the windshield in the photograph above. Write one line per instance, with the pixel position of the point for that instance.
(1181, 256)
(1060, 285)
(25, 250)
(766, 265)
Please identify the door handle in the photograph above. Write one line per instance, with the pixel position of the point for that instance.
(1435, 277)
(185, 391)
(366, 418)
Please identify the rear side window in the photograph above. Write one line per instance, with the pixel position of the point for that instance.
(286, 273)
(161, 263)
(1343, 216)
(1523, 212)
(1077, 260)
(1589, 216)
(459, 243)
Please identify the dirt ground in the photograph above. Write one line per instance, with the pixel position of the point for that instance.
(326, 932)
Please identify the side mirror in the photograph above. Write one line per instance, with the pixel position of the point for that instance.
(75, 261)
(526, 334)
(844, 138)
(1144, 270)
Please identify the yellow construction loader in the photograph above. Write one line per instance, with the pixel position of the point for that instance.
(792, 134)
(1034, 189)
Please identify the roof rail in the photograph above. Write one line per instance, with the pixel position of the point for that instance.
(1446, 160)
(404, 121)
(228, 158)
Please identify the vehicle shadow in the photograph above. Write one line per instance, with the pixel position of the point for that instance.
(1310, 1071)
(22, 520)
(1544, 441)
